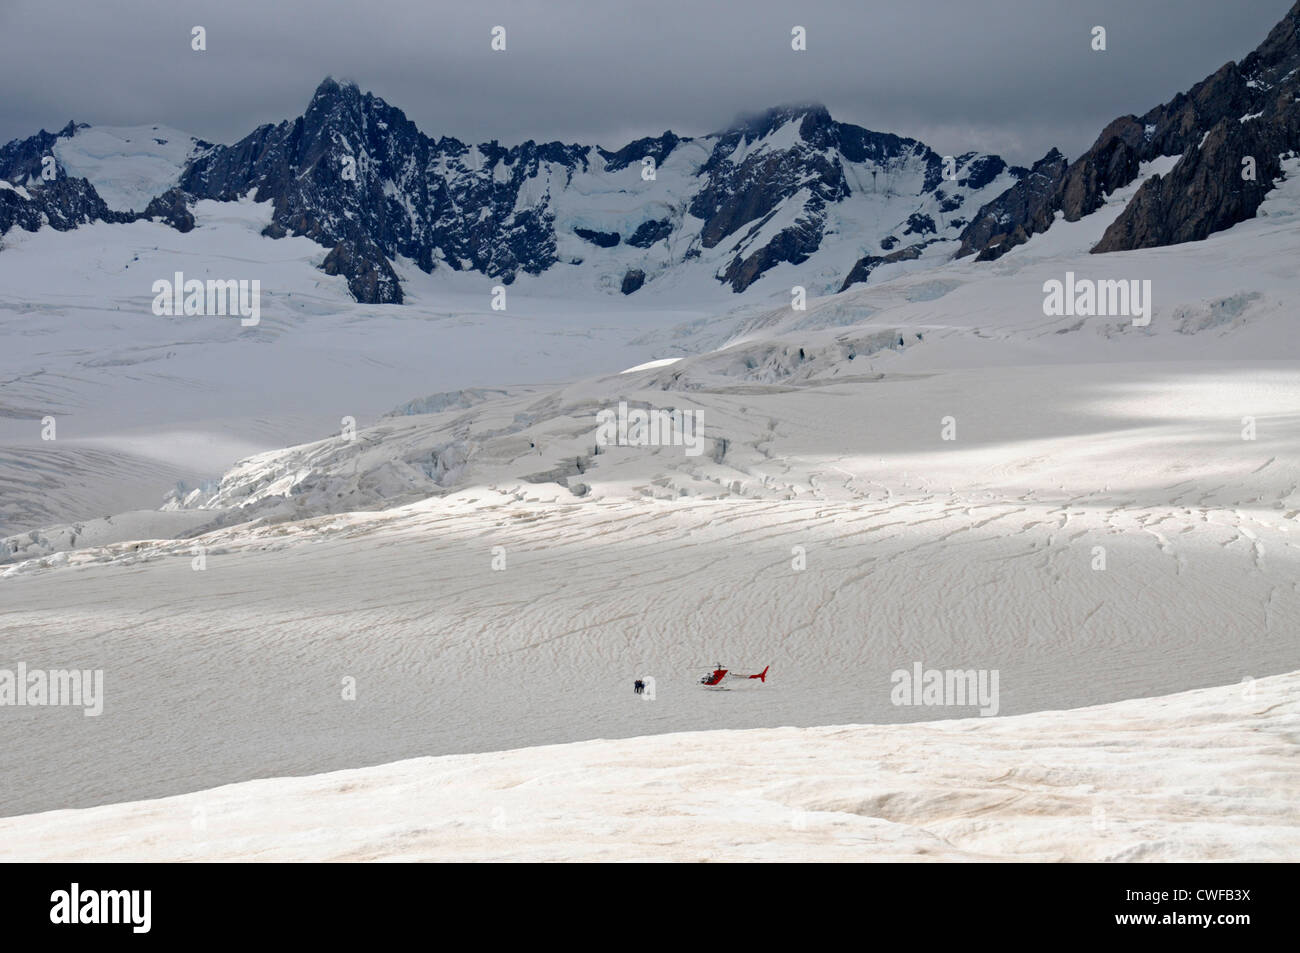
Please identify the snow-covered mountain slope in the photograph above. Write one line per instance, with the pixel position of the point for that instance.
(143, 401)
(129, 166)
(1053, 786)
(961, 317)
(964, 314)
(189, 396)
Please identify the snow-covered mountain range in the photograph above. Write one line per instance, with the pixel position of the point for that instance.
(788, 186)
(354, 174)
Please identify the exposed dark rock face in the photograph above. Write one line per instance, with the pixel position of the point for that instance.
(981, 170)
(172, 208)
(1020, 211)
(636, 151)
(370, 276)
(1204, 193)
(866, 265)
(1258, 105)
(1112, 163)
(739, 193)
(355, 170)
(794, 244)
(918, 224)
(21, 160)
(600, 239)
(647, 233)
(61, 202)
(633, 280)
(1242, 109)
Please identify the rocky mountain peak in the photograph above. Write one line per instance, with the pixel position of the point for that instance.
(812, 118)
(1246, 110)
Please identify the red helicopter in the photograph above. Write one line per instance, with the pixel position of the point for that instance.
(719, 674)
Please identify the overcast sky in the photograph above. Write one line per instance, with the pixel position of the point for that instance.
(1008, 76)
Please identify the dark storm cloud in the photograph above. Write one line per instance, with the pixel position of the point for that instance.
(1009, 76)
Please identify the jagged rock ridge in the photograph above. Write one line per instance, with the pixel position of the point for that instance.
(1244, 110)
